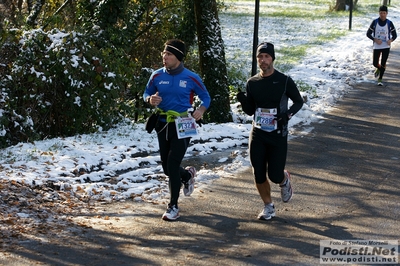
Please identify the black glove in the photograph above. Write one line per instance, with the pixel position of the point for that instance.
(200, 122)
(282, 119)
(241, 96)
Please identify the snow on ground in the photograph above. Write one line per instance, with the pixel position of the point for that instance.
(124, 163)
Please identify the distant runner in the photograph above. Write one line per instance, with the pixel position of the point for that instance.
(382, 32)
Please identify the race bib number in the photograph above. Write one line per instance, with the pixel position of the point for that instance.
(185, 127)
(382, 35)
(264, 119)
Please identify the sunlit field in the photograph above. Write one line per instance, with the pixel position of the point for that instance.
(293, 26)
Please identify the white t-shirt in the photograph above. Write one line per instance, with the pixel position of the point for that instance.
(381, 33)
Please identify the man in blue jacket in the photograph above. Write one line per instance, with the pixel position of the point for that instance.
(172, 89)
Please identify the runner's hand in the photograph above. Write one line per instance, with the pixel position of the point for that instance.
(282, 118)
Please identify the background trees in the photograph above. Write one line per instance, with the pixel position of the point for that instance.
(72, 67)
(212, 59)
(341, 4)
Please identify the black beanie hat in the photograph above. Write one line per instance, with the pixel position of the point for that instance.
(266, 47)
(383, 8)
(176, 47)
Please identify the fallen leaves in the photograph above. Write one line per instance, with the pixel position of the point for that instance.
(27, 212)
(39, 211)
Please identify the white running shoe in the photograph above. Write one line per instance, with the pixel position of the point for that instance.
(171, 214)
(267, 213)
(188, 187)
(286, 190)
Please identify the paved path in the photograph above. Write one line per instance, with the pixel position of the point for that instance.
(346, 180)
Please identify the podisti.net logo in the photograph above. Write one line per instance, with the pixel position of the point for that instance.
(359, 252)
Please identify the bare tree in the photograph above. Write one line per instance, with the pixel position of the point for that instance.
(341, 4)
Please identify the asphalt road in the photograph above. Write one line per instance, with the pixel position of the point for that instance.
(346, 182)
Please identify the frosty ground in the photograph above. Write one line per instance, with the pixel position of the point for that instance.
(46, 179)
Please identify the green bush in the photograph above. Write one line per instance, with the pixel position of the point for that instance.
(62, 84)
(89, 72)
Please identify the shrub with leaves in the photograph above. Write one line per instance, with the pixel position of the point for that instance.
(59, 84)
(90, 74)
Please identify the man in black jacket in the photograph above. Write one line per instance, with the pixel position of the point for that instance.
(266, 98)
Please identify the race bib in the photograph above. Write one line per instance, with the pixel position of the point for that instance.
(382, 35)
(265, 119)
(185, 127)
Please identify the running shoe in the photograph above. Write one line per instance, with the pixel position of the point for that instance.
(380, 82)
(267, 213)
(376, 73)
(286, 189)
(188, 186)
(171, 214)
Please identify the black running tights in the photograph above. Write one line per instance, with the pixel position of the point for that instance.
(267, 155)
(385, 56)
(172, 151)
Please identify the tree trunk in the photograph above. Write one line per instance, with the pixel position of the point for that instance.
(212, 60)
(385, 2)
(340, 5)
(34, 11)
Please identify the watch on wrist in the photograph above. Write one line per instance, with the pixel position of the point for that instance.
(148, 99)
